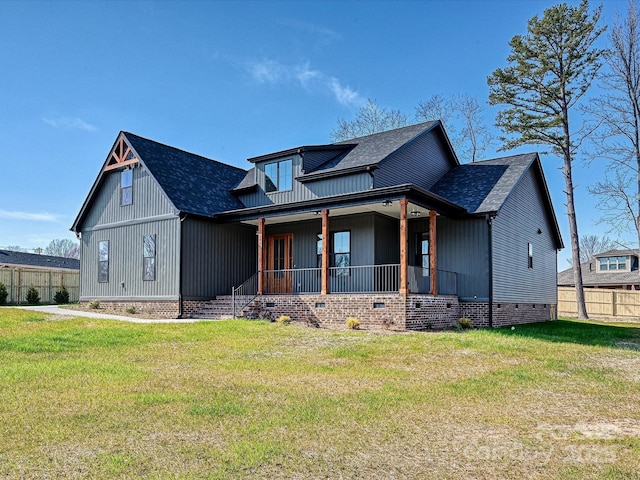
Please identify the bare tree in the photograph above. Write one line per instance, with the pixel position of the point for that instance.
(370, 119)
(15, 248)
(463, 118)
(591, 245)
(63, 247)
(618, 110)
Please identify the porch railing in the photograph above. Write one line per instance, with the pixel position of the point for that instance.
(420, 281)
(295, 280)
(356, 279)
(242, 295)
(364, 279)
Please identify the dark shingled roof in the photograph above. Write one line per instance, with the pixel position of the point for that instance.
(8, 257)
(483, 187)
(194, 184)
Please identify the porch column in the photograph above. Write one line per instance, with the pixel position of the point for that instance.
(433, 265)
(261, 255)
(404, 243)
(324, 275)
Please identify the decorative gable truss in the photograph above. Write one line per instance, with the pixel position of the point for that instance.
(121, 156)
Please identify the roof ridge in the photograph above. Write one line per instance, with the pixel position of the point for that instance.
(414, 125)
(164, 145)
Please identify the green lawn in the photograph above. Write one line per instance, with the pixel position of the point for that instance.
(83, 398)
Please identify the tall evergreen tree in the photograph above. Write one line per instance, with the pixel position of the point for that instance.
(550, 69)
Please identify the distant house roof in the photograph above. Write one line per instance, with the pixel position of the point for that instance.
(618, 253)
(14, 259)
(483, 187)
(193, 184)
(592, 278)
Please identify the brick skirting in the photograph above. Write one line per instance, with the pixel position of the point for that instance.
(158, 309)
(505, 313)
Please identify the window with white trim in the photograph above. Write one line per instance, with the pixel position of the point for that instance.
(103, 261)
(126, 187)
(149, 258)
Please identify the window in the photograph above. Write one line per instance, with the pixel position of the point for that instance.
(340, 252)
(530, 251)
(103, 261)
(422, 252)
(278, 176)
(126, 187)
(149, 260)
(613, 263)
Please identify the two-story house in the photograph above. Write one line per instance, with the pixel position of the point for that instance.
(389, 228)
(614, 269)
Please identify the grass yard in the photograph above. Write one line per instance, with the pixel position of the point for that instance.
(97, 399)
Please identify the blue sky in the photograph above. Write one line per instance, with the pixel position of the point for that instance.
(229, 80)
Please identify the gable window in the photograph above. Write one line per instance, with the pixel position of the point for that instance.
(339, 254)
(103, 261)
(278, 176)
(422, 255)
(126, 187)
(530, 252)
(149, 258)
(613, 263)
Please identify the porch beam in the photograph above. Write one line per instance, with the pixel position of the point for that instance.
(261, 255)
(324, 288)
(433, 264)
(404, 244)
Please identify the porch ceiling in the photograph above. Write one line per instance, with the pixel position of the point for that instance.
(393, 211)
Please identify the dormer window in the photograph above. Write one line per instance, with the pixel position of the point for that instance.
(612, 263)
(126, 187)
(278, 176)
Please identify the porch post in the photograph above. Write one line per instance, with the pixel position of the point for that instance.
(324, 275)
(404, 243)
(261, 256)
(433, 265)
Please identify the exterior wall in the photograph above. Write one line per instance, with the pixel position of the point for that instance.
(303, 191)
(505, 314)
(362, 228)
(168, 309)
(515, 226)
(126, 261)
(462, 247)
(387, 240)
(422, 162)
(148, 200)
(216, 257)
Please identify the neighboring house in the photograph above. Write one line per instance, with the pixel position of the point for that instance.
(11, 259)
(19, 271)
(615, 269)
(389, 228)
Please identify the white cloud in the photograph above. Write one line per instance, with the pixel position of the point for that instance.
(273, 72)
(345, 95)
(36, 217)
(69, 123)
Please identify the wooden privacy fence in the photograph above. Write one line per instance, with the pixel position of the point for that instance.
(47, 282)
(600, 302)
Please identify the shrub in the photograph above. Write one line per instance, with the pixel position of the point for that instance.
(61, 296)
(94, 304)
(353, 323)
(3, 294)
(131, 309)
(284, 319)
(465, 323)
(33, 296)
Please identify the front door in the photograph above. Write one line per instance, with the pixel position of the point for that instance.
(279, 263)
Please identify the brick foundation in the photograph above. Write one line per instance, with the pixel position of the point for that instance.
(394, 312)
(158, 309)
(505, 313)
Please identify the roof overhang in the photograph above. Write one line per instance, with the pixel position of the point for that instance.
(418, 197)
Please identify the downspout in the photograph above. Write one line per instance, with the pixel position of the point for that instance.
(489, 219)
(180, 269)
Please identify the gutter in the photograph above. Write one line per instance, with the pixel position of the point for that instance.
(489, 219)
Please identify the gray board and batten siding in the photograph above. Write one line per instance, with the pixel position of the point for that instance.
(126, 262)
(216, 257)
(517, 225)
(421, 162)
